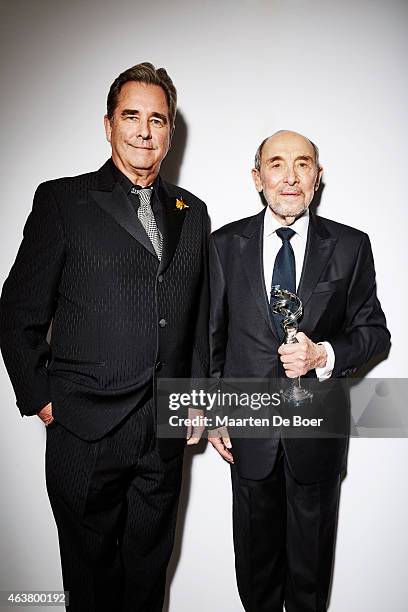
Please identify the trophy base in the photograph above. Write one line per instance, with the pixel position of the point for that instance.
(297, 395)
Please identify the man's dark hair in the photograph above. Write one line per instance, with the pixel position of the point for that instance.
(144, 73)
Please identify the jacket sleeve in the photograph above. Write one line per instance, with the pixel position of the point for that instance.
(200, 357)
(28, 302)
(218, 313)
(364, 332)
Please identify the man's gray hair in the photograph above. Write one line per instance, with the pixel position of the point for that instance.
(258, 154)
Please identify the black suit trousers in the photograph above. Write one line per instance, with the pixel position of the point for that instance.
(284, 535)
(115, 505)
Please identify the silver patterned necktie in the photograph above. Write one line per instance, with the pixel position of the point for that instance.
(146, 217)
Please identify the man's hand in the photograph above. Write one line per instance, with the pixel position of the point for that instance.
(195, 432)
(220, 440)
(45, 414)
(299, 358)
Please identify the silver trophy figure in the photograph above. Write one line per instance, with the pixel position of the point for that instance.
(289, 306)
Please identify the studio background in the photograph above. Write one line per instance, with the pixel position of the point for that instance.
(334, 71)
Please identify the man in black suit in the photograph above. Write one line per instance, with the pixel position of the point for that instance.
(117, 260)
(286, 490)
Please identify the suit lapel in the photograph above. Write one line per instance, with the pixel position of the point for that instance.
(251, 248)
(116, 204)
(173, 219)
(319, 247)
(112, 199)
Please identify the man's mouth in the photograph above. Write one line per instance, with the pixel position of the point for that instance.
(290, 193)
(140, 147)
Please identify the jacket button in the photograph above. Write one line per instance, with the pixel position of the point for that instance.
(162, 322)
(160, 278)
(158, 366)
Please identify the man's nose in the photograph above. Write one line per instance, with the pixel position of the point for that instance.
(143, 129)
(291, 176)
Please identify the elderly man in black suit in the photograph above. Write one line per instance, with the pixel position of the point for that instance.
(286, 490)
(117, 260)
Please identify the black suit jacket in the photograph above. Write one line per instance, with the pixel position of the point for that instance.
(338, 291)
(120, 319)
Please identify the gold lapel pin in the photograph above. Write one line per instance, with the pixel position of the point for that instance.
(180, 204)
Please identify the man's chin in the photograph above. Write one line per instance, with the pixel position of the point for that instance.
(142, 163)
(288, 212)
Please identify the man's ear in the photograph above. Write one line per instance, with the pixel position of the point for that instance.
(318, 178)
(108, 127)
(257, 179)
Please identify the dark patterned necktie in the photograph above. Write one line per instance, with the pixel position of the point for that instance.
(146, 218)
(284, 271)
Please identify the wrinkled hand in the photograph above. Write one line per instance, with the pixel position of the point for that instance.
(45, 414)
(194, 433)
(302, 356)
(220, 440)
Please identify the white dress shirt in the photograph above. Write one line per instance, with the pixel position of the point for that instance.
(271, 245)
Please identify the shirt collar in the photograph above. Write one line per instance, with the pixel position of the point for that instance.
(300, 226)
(125, 181)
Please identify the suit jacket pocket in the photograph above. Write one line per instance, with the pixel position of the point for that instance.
(80, 362)
(324, 286)
(78, 371)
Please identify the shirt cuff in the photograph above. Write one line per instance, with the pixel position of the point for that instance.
(325, 372)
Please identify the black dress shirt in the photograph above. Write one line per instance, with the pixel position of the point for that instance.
(127, 185)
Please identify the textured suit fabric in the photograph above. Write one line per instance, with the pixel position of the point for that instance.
(338, 291)
(120, 319)
(115, 505)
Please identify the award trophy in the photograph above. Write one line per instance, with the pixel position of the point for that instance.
(289, 306)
